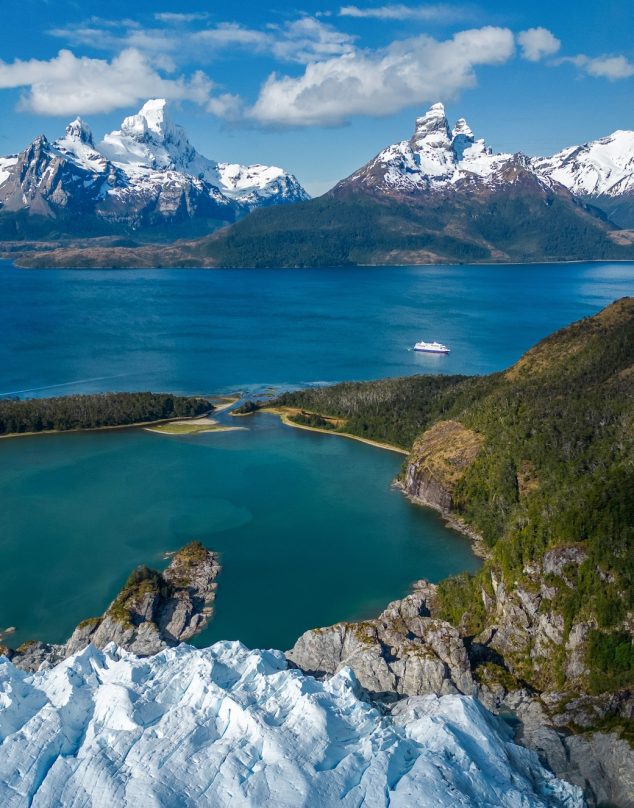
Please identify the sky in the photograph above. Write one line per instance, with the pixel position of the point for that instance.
(319, 87)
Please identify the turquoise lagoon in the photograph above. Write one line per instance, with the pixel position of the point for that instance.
(309, 528)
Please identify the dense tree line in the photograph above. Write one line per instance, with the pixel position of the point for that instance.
(94, 411)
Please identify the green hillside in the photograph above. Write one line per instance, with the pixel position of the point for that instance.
(550, 491)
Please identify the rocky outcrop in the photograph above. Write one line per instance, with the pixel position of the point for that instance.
(525, 624)
(409, 651)
(438, 461)
(153, 611)
(404, 652)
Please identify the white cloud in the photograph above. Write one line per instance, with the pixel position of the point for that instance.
(303, 40)
(435, 12)
(605, 67)
(178, 18)
(100, 34)
(536, 43)
(67, 84)
(307, 39)
(377, 83)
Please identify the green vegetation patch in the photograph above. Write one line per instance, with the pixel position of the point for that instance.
(95, 411)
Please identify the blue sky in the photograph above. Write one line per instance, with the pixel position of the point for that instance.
(320, 87)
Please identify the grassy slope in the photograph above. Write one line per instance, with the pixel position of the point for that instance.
(556, 467)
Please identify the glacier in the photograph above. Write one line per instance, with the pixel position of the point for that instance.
(227, 726)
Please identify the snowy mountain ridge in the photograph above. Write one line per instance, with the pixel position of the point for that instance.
(600, 171)
(441, 160)
(143, 174)
(438, 158)
(225, 726)
(600, 167)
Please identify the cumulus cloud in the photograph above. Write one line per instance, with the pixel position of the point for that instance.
(411, 71)
(605, 67)
(67, 84)
(537, 43)
(436, 12)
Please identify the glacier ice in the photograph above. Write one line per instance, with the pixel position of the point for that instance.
(225, 726)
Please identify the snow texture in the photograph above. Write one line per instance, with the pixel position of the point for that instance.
(602, 167)
(438, 158)
(151, 142)
(225, 726)
(151, 154)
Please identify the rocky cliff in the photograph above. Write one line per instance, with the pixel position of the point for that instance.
(153, 611)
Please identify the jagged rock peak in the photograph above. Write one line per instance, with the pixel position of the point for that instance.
(152, 117)
(78, 130)
(433, 126)
(462, 128)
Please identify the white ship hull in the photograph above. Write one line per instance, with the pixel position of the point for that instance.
(431, 347)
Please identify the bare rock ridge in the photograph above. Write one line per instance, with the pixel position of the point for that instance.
(153, 611)
(409, 650)
(403, 652)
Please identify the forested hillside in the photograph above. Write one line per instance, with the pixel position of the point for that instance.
(550, 489)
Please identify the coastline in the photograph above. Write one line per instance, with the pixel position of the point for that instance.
(283, 414)
(229, 401)
(452, 521)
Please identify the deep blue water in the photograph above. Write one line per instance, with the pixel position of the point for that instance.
(204, 331)
(309, 529)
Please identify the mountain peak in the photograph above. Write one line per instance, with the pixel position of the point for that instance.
(462, 138)
(152, 117)
(80, 131)
(462, 128)
(433, 127)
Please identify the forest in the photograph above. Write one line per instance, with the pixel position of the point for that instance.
(94, 411)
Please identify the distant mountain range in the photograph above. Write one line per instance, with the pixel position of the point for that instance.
(144, 176)
(442, 196)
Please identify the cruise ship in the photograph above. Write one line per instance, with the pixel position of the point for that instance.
(431, 347)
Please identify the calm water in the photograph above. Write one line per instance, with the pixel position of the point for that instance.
(308, 526)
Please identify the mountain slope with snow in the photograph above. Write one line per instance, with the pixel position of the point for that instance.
(224, 726)
(442, 196)
(144, 175)
(601, 172)
(438, 159)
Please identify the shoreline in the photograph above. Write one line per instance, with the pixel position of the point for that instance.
(451, 520)
(283, 415)
(229, 401)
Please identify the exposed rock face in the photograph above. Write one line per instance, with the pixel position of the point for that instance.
(404, 651)
(225, 727)
(525, 629)
(407, 651)
(153, 611)
(437, 462)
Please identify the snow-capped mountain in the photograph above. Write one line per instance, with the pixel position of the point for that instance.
(228, 727)
(441, 196)
(439, 159)
(145, 174)
(150, 141)
(601, 172)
